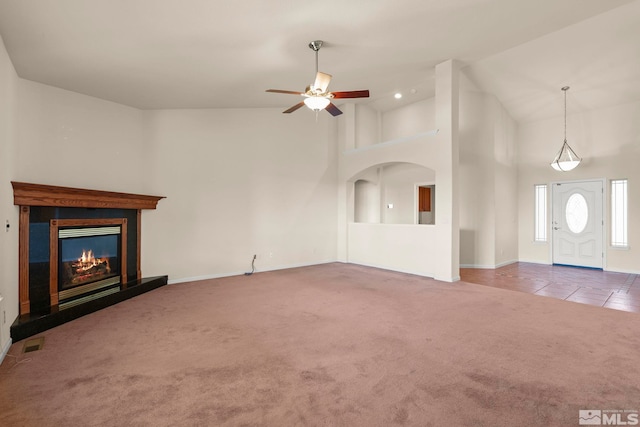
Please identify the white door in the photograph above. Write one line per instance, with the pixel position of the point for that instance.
(578, 223)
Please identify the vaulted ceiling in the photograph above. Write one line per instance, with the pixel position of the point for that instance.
(154, 54)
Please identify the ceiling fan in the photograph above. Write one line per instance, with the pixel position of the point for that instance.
(316, 96)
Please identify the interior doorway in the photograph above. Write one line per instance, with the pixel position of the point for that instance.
(577, 225)
(425, 196)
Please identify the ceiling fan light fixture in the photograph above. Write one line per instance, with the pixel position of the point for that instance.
(316, 103)
(566, 159)
(316, 96)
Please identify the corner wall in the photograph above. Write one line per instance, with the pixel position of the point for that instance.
(239, 182)
(488, 181)
(74, 140)
(8, 212)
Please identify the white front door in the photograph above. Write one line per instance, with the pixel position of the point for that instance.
(578, 223)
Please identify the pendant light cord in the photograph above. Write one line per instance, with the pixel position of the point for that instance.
(565, 89)
(565, 115)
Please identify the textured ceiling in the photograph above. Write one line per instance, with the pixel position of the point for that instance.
(212, 54)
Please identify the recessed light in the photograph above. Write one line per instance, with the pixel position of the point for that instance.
(398, 95)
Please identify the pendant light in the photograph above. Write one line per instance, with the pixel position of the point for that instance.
(566, 159)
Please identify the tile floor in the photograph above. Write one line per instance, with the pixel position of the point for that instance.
(619, 291)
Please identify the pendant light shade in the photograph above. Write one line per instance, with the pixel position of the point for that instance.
(566, 159)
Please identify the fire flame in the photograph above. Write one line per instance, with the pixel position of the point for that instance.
(87, 256)
(87, 261)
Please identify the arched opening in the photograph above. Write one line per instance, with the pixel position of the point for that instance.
(391, 194)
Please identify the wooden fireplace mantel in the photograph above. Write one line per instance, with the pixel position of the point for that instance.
(25, 194)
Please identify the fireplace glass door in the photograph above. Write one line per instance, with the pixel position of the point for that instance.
(88, 255)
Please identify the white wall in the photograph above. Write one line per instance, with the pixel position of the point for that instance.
(75, 140)
(446, 157)
(8, 212)
(488, 181)
(477, 194)
(366, 201)
(369, 128)
(239, 182)
(506, 186)
(399, 247)
(409, 120)
(608, 139)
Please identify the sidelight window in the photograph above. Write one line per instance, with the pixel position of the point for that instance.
(619, 213)
(540, 232)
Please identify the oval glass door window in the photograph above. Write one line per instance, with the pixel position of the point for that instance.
(577, 213)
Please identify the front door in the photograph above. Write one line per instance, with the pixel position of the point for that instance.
(578, 223)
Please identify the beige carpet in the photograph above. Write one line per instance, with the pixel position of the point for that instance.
(328, 345)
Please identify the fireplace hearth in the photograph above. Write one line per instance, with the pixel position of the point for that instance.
(79, 250)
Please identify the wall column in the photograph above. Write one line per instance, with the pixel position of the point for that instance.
(346, 141)
(447, 193)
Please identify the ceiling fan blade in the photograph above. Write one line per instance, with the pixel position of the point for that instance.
(322, 81)
(294, 108)
(290, 92)
(333, 110)
(351, 94)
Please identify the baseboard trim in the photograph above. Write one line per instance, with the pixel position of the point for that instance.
(621, 271)
(454, 279)
(492, 267)
(284, 267)
(384, 267)
(535, 262)
(479, 266)
(200, 278)
(240, 273)
(5, 350)
(489, 267)
(448, 280)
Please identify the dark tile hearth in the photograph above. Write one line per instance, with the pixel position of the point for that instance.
(30, 324)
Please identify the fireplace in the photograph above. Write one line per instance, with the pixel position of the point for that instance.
(58, 224)
(88, 259)
(78, 251)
